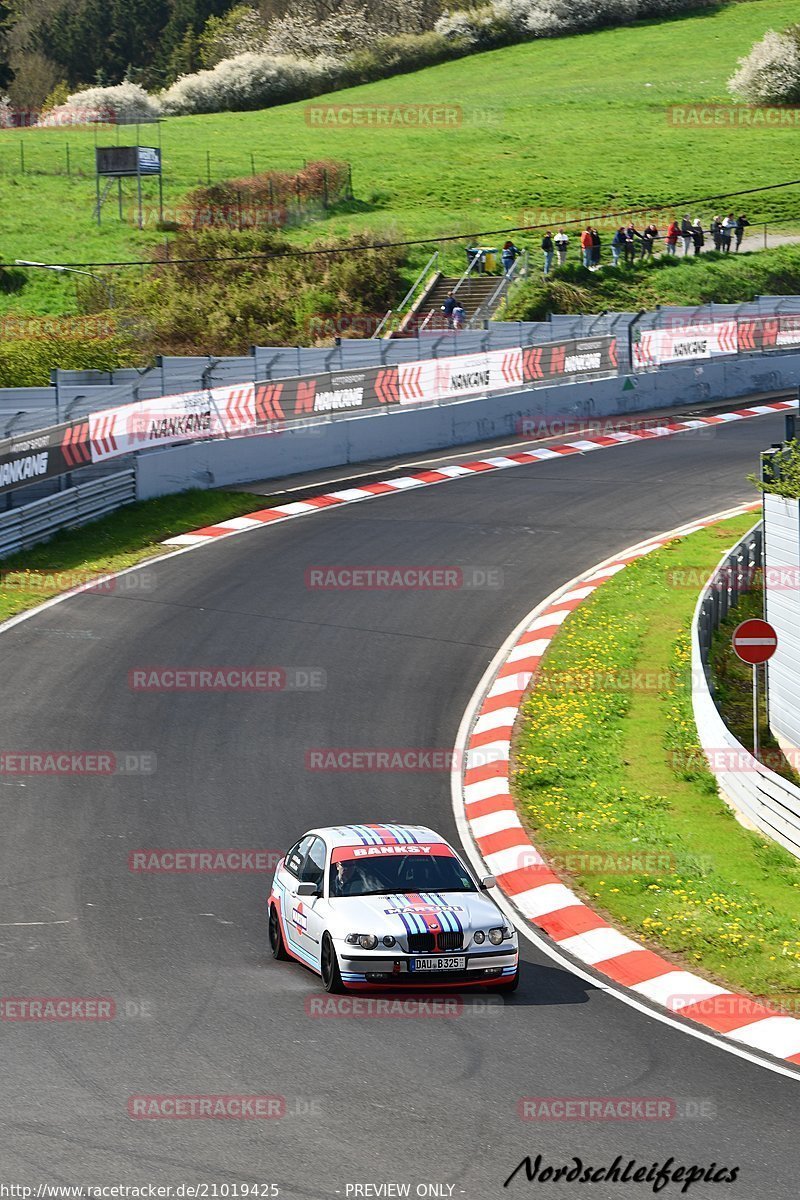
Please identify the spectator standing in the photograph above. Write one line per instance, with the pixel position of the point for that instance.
(459, 317)
(686, 234)
(728, 230)
(698, 237)
(448, 307)
(618, 245)
(586, 246)
(716, 233)
(648, 238)
(631, 233)
(741, 224)
(673, 233)
(595, 248)
(509, 254)
(547, 246)
(561, 241)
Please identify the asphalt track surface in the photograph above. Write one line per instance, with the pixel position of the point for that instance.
(203, 1009)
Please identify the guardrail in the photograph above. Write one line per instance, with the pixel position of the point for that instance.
(23, 527)
(763, 798)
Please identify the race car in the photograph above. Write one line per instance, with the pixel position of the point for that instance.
(388, 906)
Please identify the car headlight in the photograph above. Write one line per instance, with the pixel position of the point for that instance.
(389, 940)
(479, 936)
(367, 941)
(496, 936)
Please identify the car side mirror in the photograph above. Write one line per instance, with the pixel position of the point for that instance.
(309, 889)
(488, 881)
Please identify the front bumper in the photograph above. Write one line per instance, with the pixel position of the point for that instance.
(393, 970)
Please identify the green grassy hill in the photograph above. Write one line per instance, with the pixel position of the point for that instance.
(577, 124)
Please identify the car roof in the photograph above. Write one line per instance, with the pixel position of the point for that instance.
(390, 834)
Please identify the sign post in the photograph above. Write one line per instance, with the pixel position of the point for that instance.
(755, 642)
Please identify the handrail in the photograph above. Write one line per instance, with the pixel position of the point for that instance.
(434, 259)
(487, 307)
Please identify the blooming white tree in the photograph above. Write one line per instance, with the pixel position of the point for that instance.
(770, 73)
(124, 103)
(250, 81)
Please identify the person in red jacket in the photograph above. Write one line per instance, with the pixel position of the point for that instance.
(587, 246)
(673, 233)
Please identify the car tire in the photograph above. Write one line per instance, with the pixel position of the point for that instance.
(509, 985)
(276, 945)
(329, 966)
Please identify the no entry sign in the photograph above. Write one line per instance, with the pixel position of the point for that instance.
(755, 641)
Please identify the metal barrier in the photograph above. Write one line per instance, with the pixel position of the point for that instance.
(765, 800)
(23, 527)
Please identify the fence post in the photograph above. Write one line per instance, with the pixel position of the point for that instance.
(208, 167)
(252, 164)
(239, 204)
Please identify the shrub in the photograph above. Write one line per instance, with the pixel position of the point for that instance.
(250, 81)
(126, 102)
(27, 362)
(226, 307)
(770, 73)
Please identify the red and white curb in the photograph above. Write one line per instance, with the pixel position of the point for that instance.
(486, 812)
(299, 508)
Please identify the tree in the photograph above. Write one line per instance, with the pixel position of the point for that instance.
(6, 73)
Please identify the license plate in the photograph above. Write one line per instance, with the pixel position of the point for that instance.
(438, 964)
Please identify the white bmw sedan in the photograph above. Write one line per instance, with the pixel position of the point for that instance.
(388, 906)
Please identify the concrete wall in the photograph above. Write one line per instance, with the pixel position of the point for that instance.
(346, 440)
(762, 799)
(782, 588)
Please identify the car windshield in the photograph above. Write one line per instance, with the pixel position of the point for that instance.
(387, 876)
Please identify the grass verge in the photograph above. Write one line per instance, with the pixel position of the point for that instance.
(608, 764)
(119, 540)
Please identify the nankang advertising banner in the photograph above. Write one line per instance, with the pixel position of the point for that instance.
(575, 358)
(216, 412)
(326, 394)
(43, 455)
(685, 343)
(433, 379)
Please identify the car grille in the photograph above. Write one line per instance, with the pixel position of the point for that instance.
(427, 943)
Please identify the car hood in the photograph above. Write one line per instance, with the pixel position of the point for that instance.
(399, 914)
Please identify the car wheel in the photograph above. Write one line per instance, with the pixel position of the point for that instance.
(276, 934)
(329, 966)
(509, 985)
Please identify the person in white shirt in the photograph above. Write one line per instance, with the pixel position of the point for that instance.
(561, 241)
